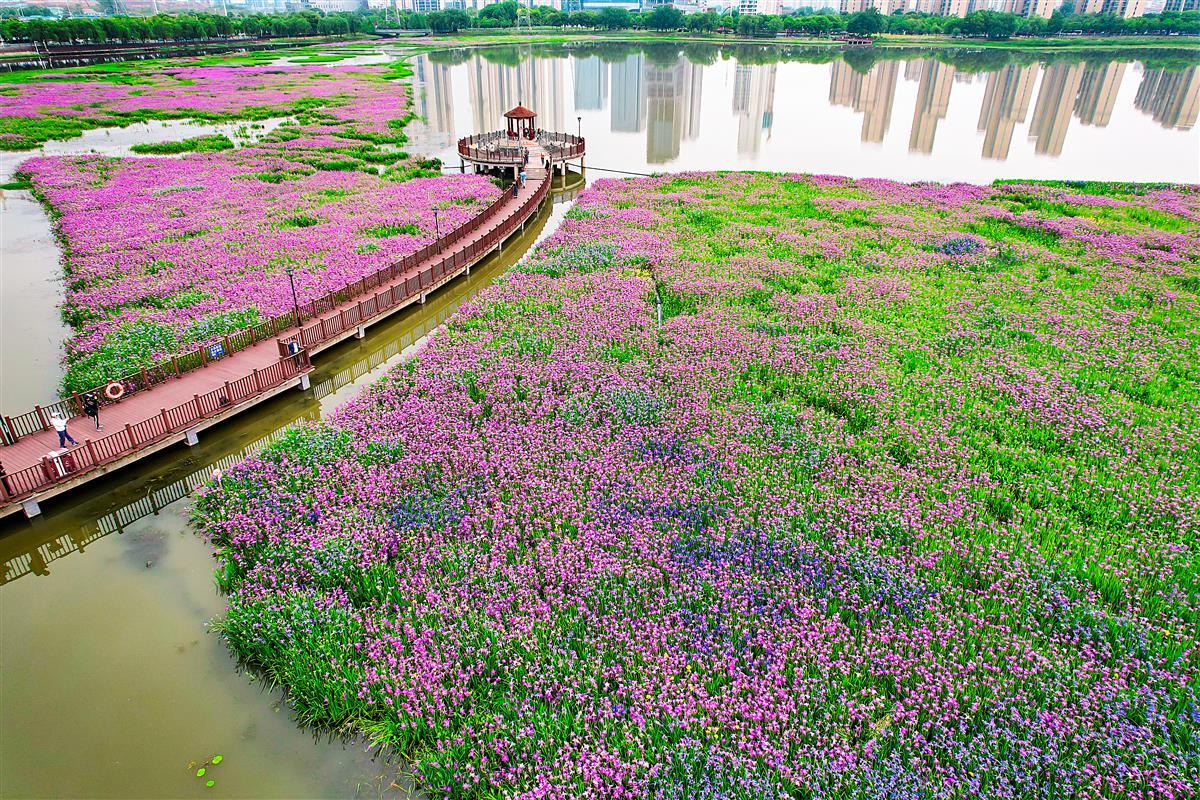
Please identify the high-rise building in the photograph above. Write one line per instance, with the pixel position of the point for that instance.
(1052, 112)
(754, 104)
(1098, 93)
(1124, 8)
(1182, 5)
(933, 101)
(1005, 104)
(628, 109)
(882, 6)
(872, 95)
(759, 6)
(953, 8)
(1034, 8)
(1172, 98)
(591, 83)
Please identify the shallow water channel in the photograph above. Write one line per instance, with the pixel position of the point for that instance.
(111, 684)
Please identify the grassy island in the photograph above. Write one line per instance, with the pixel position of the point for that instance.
(765, 486)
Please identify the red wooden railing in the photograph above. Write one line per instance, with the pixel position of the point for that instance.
(491, 147)
(562, 146)
(14, 427)
(325, 328)
(94, 453)
(496, 147)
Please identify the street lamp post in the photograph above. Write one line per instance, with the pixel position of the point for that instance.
(579, 127)
(437, 229)
(295, 303)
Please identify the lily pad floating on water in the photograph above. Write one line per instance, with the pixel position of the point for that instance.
(210, 784)
(200, 772)
(218, 759)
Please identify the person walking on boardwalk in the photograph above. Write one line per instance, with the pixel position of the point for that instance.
(515, 188)
(91, 407)
(522, 178)
(60, 426)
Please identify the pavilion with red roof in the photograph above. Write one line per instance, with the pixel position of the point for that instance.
(522, 145)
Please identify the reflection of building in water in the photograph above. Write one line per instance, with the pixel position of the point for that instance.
(628, 95)
(1098, 93)
(754, 104)
(435, 100)
(536, 83)
(591, 83)
(1052, 112)
(933, 101)
(871, 95)
(1005, 104)
(672, 108)
(1171, 98)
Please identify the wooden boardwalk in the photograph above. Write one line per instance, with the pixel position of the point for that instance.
(34, 468)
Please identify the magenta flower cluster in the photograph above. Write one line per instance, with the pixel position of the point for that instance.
(164, 254)
(753, 486)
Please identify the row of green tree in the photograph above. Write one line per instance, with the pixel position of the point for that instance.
(187, 27)
(197, 26)
(989, 24)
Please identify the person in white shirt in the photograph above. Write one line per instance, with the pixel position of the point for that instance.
(60, 426)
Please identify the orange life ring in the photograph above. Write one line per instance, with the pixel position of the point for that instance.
(114, 391)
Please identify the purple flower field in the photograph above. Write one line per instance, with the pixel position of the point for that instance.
(165, 254)
(756, 486)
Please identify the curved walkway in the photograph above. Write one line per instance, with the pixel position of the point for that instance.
(33, 468)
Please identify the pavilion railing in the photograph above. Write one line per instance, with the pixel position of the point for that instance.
(562, 146)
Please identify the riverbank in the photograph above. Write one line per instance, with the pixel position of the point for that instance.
(766, 484)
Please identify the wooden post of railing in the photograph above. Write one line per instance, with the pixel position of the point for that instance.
(129, 433)
(175, 362)
(257, 381)
(91, 451)
(196, 405)
(42, 417)
(228, 397)
(253, 337)
(228, 347)
(166, 420)
(145, 378)
(204, 356)
(12, 432)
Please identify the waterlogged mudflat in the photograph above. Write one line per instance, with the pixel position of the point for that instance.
(765, 486)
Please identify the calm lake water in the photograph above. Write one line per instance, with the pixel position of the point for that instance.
(960, 116)
(111, 684)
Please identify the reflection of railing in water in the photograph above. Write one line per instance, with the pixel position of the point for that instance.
(36, 559)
